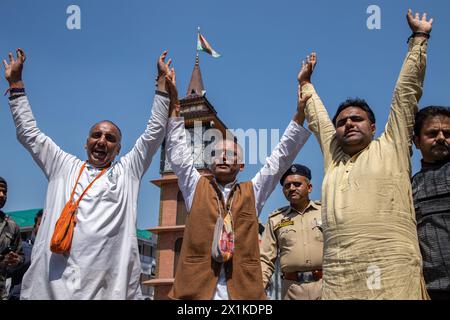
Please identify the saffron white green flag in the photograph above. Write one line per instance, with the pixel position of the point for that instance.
(203, 45)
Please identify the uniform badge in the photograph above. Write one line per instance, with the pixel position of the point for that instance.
(283, 223)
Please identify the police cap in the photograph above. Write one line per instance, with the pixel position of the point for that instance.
(297, 169)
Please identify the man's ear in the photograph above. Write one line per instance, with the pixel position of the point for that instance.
(374, 128)
(310, 187)
(241, 167)
(118, 149)
(416, 140)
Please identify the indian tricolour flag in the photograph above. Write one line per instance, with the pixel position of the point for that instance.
(203, 45)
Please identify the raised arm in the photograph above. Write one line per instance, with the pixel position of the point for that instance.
(317, 116)
(44, 151)
(140, 157)
(293, 139)
(178, 153)
(408, 89)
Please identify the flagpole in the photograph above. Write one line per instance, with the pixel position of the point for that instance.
(196, 48)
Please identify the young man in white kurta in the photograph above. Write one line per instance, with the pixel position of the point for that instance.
(104, 259)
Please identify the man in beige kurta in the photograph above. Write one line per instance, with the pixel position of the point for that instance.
(371, 249)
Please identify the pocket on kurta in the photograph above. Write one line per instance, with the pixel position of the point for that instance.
(194, 275)
(367, 194)
(384, 197)
(250, 263)
(109, 189)
(250, 274)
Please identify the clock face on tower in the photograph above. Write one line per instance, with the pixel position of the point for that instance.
(197, 146)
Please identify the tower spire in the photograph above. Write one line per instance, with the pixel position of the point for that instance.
(196, 85)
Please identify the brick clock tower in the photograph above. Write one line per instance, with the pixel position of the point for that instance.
(195, 107)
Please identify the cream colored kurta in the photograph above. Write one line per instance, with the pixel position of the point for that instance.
(371, 249)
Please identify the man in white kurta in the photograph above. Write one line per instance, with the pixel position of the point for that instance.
(264, 182)
(104, 260)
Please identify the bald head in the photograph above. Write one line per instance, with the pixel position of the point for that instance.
(103, 143)
(227, 161)
(111, 123)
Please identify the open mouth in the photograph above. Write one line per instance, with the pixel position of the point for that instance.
(440, 148)
(99, 154)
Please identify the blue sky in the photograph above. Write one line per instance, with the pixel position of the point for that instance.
(106, 70)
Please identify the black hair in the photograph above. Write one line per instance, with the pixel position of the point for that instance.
(38, 215)
(4, 182)
(355, 102)
(426, 113)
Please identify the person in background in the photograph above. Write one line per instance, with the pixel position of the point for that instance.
(294, 234)
(431, 194)
(11, 253)
(27, 246)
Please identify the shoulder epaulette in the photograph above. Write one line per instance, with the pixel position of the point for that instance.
(278, 211)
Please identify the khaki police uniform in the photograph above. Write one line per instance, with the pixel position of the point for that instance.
(298, 240)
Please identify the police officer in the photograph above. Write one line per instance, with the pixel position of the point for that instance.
(11, 255)
(295, 233)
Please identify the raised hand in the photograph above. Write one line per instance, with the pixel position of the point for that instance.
(13, 70)
(302, 99)
(163, 67)
(304, 76)
(171, 87)
(418, 24)
(163, 71)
